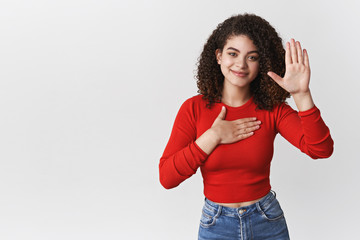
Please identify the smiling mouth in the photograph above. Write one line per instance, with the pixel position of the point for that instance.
(239, 74)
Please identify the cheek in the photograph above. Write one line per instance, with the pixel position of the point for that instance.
(223, 69)
(255, 68)
(225, 65)
(226, 62)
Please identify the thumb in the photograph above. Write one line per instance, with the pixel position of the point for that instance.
(222, 113)
(275, 77)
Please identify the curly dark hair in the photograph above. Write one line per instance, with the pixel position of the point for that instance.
(267, 93)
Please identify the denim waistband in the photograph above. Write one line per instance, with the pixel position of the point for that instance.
(263, 202)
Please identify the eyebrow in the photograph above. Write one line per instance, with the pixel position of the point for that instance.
(231, 48)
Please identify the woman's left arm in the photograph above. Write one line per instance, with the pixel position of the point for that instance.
(306, 129)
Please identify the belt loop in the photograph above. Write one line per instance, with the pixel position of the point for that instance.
(258, 206)
(219, 211)
(273, 192)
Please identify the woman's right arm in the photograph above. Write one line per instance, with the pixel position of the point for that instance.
(184, 154)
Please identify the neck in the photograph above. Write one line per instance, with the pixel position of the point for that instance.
(235, 96)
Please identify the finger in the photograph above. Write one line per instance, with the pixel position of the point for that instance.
(247, 130)
(248, 124)
(244, 136)
(222, 113)
(276, 78)
(287, 54)
(294, 58)
(299, 52)
(306, 59)
(244, 120)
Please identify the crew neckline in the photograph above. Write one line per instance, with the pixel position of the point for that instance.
(246, 104)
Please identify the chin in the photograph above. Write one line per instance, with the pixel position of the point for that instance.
(240, 83)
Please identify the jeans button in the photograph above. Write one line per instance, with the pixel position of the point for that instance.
(241, 211)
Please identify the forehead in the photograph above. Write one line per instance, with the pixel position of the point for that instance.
(240, 42)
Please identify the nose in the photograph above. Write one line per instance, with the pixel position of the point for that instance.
(241, 63)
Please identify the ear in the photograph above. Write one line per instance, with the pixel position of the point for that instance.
(218, 54)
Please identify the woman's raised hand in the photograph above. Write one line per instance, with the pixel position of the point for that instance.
(297, 74)
(233, 131)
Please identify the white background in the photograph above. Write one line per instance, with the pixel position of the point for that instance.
(88, 94)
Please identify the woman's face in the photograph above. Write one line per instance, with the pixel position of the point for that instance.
(239, 61)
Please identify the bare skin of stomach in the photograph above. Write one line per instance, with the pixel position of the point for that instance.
(240, 204)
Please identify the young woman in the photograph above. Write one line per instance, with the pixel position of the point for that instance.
(244, 76)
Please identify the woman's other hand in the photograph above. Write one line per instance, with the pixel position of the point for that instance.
(233, 131)
(226, 132)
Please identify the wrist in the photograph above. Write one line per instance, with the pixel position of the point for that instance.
(213, 134)
(303, 100)
(208, 141)
(301, 94)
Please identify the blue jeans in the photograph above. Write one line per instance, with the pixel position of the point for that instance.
(263, 220)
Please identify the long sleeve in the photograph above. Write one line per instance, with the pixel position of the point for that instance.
(306, 130)
(181, 157)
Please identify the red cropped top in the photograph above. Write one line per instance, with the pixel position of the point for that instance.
(240, 171)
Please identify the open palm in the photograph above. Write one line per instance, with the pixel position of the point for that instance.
(297, 74)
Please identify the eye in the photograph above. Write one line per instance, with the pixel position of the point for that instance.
(253, 58)
(232, 54)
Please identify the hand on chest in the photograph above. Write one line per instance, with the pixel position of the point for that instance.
(254, 152)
